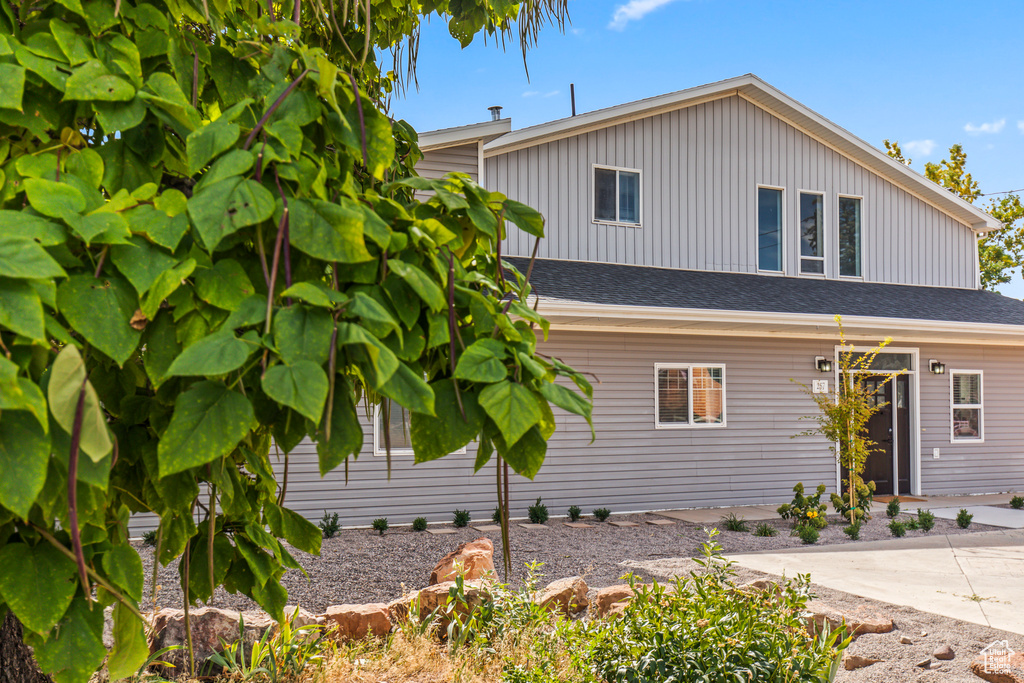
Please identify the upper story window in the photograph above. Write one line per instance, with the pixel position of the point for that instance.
(966, 406)
(689, 395)
(812, 231)
(849, 237)
(769, 229)
(616, 195)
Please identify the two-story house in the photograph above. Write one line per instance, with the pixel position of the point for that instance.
(698, 245)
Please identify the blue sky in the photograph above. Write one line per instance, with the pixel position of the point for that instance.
(929, 74)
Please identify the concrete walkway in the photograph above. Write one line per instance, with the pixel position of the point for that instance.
(977, 578)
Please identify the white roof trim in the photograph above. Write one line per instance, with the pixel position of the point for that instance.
(461, 135)
(753, 89)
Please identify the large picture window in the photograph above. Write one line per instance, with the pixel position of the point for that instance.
(769, 229)
(967, 412)
(689, 395)
(616, 195)
(812, 232)
(849, 237)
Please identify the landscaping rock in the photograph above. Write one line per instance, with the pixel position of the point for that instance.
(613, 599)
(398, 610)
(434, 597)
(945, 653)
(906, 641)
(762, 585)
(356, 622)
(924, 663)
(1002, 670)
(568, 596)
(210, 626)
(852, 662)
(858, 621)
(303, 618)
(473, 559)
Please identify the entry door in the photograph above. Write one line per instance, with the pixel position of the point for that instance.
(889, 428)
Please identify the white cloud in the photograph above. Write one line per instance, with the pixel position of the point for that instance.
(531, 93)
(1020, 126)
(634, 10)
(993, 127)
(552, 93)
(577, 31)
(920, 147)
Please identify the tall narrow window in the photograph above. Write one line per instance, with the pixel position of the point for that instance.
(769, 229)
(689, 395)
(616, 195)
(849, 236)
(812, 214)
(967, 423)
(396, 421)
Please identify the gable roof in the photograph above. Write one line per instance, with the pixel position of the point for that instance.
(460, 135)
(755, 90)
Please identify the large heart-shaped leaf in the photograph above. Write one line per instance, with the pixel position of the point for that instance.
(221, 209)
(408, 388)
(130, 649)
(67, 381)
(92, 81)
(57, 200)
(216, 354)
(24, 456)
(302, 387)
(21, 309)
(208, 422)
(225, 285)
(100, 310)
(24, 258)
(37, 583)
(205, 144)
(482, 362)
(303, 333)
(332, 232)
(512, 407)
(346, 434)
(436, 437)
(74, 652)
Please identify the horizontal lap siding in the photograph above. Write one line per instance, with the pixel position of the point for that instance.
(700, 168)
(460, 159)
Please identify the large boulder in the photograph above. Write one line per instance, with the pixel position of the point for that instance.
(356, 622)
(435, 597)
(398, 609)
(568, 596)
(472, 559)
(613, 599)
(212, 629)
(858, 621)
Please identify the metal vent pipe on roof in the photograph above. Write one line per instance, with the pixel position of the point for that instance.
(495, 112)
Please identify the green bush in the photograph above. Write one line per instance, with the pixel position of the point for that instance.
(893, 508)
(808, 533)
(419, 524)
(601, 514)
(496, 515)
(912, 524)
(1017, 502)
(853, 531)
(574, 513)
(765, 529)
(862, 511)
(897, 528)
(329, 525)
(538, 512)
(149, 538)
(806, 510)
(925, 519)
(964, 519)
(460, 518)
(733, 523)
(380, 524)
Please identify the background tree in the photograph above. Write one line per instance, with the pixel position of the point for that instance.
(999, 251)
(210, 250)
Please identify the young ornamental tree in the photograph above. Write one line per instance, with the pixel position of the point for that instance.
(210, 249)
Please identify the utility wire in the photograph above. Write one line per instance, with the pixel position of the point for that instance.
(989, 194)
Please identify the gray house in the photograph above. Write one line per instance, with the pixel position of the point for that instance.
(698, 246)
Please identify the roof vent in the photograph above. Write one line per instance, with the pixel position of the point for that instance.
(495, 112)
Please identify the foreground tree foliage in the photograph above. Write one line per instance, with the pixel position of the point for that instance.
(210, 249)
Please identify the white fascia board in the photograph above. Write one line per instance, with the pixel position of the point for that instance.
(475, 132)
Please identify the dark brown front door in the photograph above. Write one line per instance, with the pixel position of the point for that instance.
(889, 428)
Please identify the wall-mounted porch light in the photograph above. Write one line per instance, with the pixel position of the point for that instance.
(823, 364)
(936, 367)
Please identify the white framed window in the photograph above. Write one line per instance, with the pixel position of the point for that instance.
(850, 247)
(399, 429)
(770, 222)
(967, 419)
(812, 233)
(616, 195)
(689, 395)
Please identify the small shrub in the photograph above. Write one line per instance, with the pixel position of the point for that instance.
(1017, 502)
(964, 519)
(897, 528)
(574, 513)
(601, 514)
(380, 524)
(806, 510)
(149, 538)
(893, 508)
(925, 519)
(853, 531)
(496, 515)
(460, 518)
(538, 512)
(862, 512)
(911, 524)
(733, 523)
(765, 529)
(329, 525)
(419, 524)
(808, 533)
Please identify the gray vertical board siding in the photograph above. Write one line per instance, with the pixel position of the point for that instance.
(700, 167)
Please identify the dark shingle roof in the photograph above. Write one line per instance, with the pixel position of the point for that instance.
(621, 285)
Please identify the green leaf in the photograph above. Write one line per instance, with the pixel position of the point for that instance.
(21, 309)
(104, 228)
(408, 388)
(302, 387)
(526, 455)
(372, 314)
(120, 116)
(155, 224)
(226, 285)
(207, 143)
(12, 86)
(251, 311)
(76, 650)
(482, 362)
(141, 262)
(436, 437)
(67, 375)
(87, 164)
(526, 218)
(130, 649)
(231, 75)
(234, 163)
(332, 232)
(315, 295)
(165, 285)
(569, 400)
(221, 209)
(15, 224)
(294, 528)
(346, 432)
(21, 393)
(124, 168)
(217, 354)
(512, 407)
(381, 360)
(24, 457)
(57, 200)
(71, 44)
(260, 563)
(420, 282)
(303, 333)
(123, 568)
(37, 583)
(92, 81)
(100, 310)
(208, 422)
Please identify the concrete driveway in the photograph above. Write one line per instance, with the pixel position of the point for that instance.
(977, 578)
